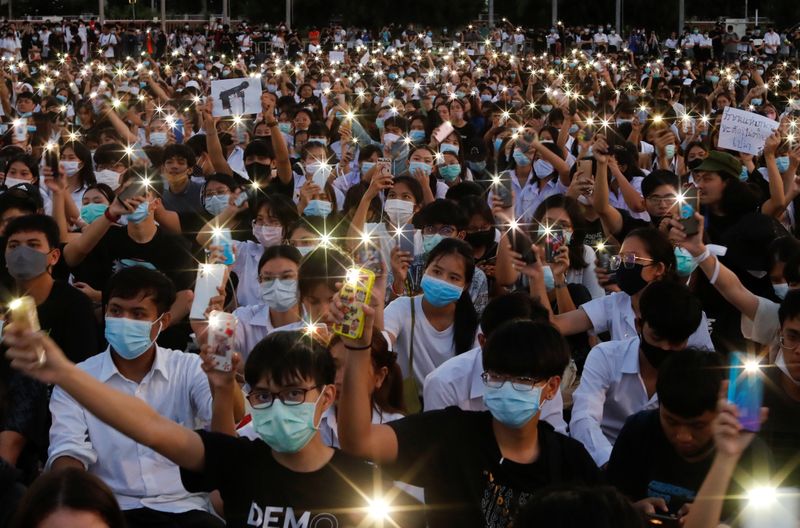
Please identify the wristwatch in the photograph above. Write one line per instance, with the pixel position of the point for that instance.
(272, 124)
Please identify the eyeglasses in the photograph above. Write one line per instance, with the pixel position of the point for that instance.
(662, 200)
(219, 192)
(270, 222)
(627, 260)
(445, 231)
(519, 383)
(261, 399)
(790, 344)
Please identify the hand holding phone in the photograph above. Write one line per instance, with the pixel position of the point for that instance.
(444, 130)
(522, 244)
(221, 334)
(689, 204)
(746, 390)
(554, 240)
(356, 292)
(503, 189)
(405, 239)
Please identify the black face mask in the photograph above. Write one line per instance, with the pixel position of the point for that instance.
(630, 280)
(480, 238)
(259, 172)
(694, 163)
(655, 355)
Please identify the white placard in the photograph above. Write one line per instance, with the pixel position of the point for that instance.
(744, 131)
(336, 57)
(364, 59)
(236, 96)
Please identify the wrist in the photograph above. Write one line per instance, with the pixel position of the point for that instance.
(111, 217)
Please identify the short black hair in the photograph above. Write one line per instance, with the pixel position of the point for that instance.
(656, 179)
(463, 189)
(259, 147)
(517, 305)
(138, 281)
(18, 198)
(790, 306)
(526, 348)
(198, 143)
(286, 357)
(176, 150)
(689, 381)
(670, 309)
(322, 266)
(111, 153)
(577, 507)
(36, 223)
(445, 212)
(280, 251)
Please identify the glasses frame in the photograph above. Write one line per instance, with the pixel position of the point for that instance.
(281, 395)
(518, 383)
(627, 260)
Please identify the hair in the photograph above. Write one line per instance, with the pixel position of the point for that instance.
(465, 320)
(198, 143)
(670, 309)
(322, 266)
(659, 247)
(517, 305)
(577, 261)
(389, 397)
(413, 185)
(259, 147)
(790, 306)
(285, 357)
(69, 488)
(18, 198)
(136, 282)
(36, 223)
(156, 182)
(656, 179)
(86, 174)
(440, 211)
(103, 189)
(176, 150)
(522, 347)
(578, 507)
(28, 161)
(280, 207)
(464, 189)
(476, 205)
(689, 381)
(111, 153)
(367, 151)
(783, 248)
(279, 251)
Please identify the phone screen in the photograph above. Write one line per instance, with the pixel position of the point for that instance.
(746, 389)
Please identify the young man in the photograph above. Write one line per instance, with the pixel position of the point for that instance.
(288, 477)
(477, 468)
(146, 485)
(457, 382)
(619, 377)
(181, 195)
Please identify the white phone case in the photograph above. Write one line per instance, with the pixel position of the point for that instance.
(209, 278)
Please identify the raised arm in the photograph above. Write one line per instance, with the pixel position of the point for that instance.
(76, 251)
(609, 216)
(214, 146)
(776, 204)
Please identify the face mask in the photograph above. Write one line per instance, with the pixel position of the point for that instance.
(286, 428)
(573, 129)
(285, 127)
(480, 238)
(417, 136)
(448, 147)
(521, 159)
(379, 123)
(547, 108)
(91, 212)
(108, 177)
(497, 144)
(279, 294)
(783, 163)
(130, 338)
(316, 167)
(366, 166)
(655, 355)
(549, 279)
(413, 166)
(318, 208)
(431, 241)
(744, 82)
(268, 235)
(70, 167)
(318, 141)
(399, 212)
(477, 166)
(141, 212)
(744, 174)
(258, 172)
(511, 407)
(542, 168)
(485, 98)
(61, 98)
(25, 263)
(305, 250)
(438, 292)
(216, 204)
(693, 164)
(158, 139)
(630, 280)
(781, 290)
(686, 263)
(714, 79)
(390, 139)
(13, 182)
(669, 151)
(450, 172)
(756, 101)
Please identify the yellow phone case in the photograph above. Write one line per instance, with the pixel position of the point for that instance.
(355, 292)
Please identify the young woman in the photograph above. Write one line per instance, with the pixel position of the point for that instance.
(76, 162)
(420, 167)
(95, 201)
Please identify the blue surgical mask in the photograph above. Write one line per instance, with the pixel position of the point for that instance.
(547, 108)
(542, 168)
(417, 136)
(756, 101)
(448, 147)
(549, 279)
(285, 127)
(521, 159)
(573, 129)
(91, 212)
(449, 173)
(379, 123)
(424, 167)
(498, 142)
(141, 212)
(477, 167)
(486, 98)
(128, 337)
(366, 166)
(686, 263)
(439, 292)
(744, 174)
(304, 250)
(781, 290)
(318, 208)
(158, 139)
(216, 204)
(714, 78)
(783, 163)
(279, 294)
(286, 428)
(669, 151)
(431, 241)
(511, 407)
(318, 140)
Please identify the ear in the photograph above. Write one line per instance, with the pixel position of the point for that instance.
(328, 397)
(461, 234)
(380, 377)
(166, 319)
(552, 387)
(54, 256)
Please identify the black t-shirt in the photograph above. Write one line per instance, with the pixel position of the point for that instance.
(629, 223)
(644, 464)
(453, 454)
(781, 431)
(67, 316)
(255, 487)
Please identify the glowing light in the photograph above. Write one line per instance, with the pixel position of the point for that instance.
(751, 366)
(378, 509)
(15, 304)
(352, 275)
(762, 497)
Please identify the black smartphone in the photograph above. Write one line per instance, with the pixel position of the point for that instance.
(689, 204)
(553, 242)
(137, 188)
(522, 244)
(503, 189)
(52, 159)
(663, 520)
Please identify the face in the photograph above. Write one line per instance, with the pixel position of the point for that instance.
(20, 171)
(93, 196)
(302, 121)
(690, 437)
(652, 271)
(790, 332)
(324, 396)
(69, 155)
(138, 309)
(557, 217)
(318, 302)
(696, 153)
(662, 201)
(448, 268)
(25, 105)
(423, 156)
(302, 237)
(176, 169)
(8, 216)
(69, 518)
(478, 223)
(34, 240)
(710, 186)
(278, 268)
(401, 191)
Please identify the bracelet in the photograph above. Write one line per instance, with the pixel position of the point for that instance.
(272, 124)
(715, 275)
(356, 349)
(703, 256)
(111, 218)
(559, 286)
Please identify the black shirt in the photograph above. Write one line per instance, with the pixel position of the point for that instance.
(629, 223)
(255, 487)
(453, 454)
(781, 431)
(68, 317)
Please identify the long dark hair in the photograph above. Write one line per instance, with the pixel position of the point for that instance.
(659, 247)
(86, 174)
(573, 209)
(70, 488)
(465, 320)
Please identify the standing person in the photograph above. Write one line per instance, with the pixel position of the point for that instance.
(108, 41)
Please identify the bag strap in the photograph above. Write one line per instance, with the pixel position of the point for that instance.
(411, 347)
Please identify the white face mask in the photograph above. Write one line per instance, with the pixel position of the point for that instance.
(109, 177)
(399, 212)
(71, 167)
(13, 182)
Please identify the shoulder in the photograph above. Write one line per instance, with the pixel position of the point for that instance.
(244, 314)
(93, 364)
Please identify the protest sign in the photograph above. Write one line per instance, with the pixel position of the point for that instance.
(236, 96)
(744, 131)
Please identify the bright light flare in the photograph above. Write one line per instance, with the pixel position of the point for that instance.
(378, 509)
(762, 497)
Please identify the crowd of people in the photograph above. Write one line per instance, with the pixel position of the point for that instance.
(550, 316)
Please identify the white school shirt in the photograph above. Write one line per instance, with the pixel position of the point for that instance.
(529, 196)
(248, 253)
(610, 391)
(614, 314)
(457, 382)
(176, 388)
(254, 324)
(771, 39)
(587, 276)
(431, 347)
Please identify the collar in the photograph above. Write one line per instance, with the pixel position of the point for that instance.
(261, 316)
(476, 388)
(108, 369)
(630, 363)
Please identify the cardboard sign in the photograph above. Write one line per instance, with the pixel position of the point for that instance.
(744, 131)
(236, 96)
(336, 56)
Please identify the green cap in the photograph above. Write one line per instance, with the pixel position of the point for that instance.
(722, 163)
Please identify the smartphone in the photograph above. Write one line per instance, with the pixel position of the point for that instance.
(320, 178)
(178, 131)
(553, 241)
(603, 255)
(385, 166)
(663, 520)
(526, 139)
(405, 239)
(445, 129)
(503, 187)
(222, 238)
(209, 278)
(51, 159)
(356, 291)
(221, 333)
(746, 389)
(21, 131)
(135, 189)
(522, 244)
(368, 256)
(689, 204)
(584, 172)
(24, 314)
